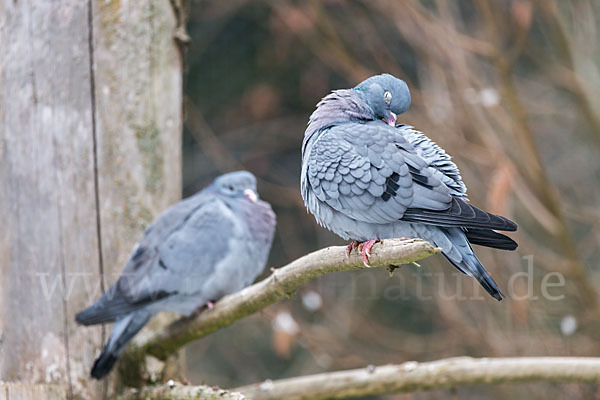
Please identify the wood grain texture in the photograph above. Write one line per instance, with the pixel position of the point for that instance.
(47, 205)
(68, 110)
(19, 391)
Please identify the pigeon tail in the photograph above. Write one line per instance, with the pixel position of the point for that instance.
(478, 271)
(469, 263)
(123, 331)
(490, 238)
(104, 364)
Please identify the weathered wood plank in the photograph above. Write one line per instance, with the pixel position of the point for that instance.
(47, 204)
(53, 107)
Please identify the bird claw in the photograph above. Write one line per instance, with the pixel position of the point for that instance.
(366, 250)
(208, 306)
(353, 245)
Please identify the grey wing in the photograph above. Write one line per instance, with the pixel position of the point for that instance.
(173, 217)
(459, 213)
(182, 260)
(439, 162)
(370, 173)
(167, 262)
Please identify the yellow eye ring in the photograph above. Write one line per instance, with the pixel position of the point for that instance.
(387, 97)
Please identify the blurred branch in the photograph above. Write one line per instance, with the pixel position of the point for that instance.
(225, 161)
(321, 38)
(412, 377)
(536, 175)
(408, 377)
(280, 284)
(567, 51)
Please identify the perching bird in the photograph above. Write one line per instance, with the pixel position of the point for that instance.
(365, 178)
(199, 250)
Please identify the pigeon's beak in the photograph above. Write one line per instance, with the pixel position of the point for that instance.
(251, 195)
(391, 119)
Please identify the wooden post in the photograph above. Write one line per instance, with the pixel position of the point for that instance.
(90, 152)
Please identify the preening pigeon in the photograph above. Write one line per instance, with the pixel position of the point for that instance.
(199, 250)
(365, 178)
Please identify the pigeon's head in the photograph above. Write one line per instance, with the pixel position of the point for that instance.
(386, 95)
(237, 185)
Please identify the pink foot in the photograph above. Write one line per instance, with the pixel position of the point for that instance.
(353, 244)
(366, 250)
(208, 306)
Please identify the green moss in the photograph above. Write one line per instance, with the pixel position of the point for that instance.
(144, 217)
(148, 139)
(131, 370)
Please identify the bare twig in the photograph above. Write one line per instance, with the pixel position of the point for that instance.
(280, 284)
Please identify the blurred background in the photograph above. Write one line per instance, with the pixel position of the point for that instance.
(511, 89)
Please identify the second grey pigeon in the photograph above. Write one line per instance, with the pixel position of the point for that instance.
(204, 247)
(366, 178)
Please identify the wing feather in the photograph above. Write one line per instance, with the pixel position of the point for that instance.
(374, 173)
(172, 249)
(378, 173)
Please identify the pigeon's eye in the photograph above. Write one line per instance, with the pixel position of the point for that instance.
(387, 97)
(230, 188)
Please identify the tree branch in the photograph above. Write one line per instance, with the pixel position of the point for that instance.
(281, 283)
(408, 377)
(413, 377)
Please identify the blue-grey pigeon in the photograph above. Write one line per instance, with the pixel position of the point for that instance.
(211, 244)
(366, 178)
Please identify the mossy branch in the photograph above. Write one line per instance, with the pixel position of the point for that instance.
(280, 284)
(178, 391)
